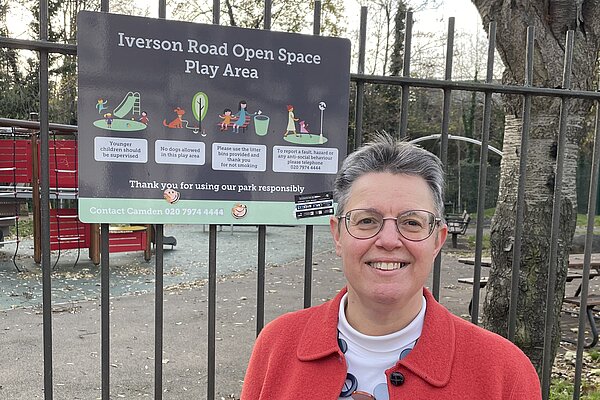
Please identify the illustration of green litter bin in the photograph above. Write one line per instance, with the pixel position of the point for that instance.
(261, 125)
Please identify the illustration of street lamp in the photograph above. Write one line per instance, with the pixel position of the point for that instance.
(322, 107)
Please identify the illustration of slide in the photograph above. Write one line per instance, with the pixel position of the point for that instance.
(130, 103)
(126, 117)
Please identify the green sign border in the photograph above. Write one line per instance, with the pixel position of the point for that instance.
(154, 211)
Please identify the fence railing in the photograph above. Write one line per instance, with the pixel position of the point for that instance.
(527, 91)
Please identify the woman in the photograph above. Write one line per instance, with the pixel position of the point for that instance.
(241, 115)
(384, 336)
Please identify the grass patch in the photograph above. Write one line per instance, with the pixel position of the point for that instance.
(488, 213)
(485, 243)
(25, 228)
(582, 220)
(562, 389)
(594, 355)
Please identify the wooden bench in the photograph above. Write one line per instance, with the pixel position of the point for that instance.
(457, 225)
(593, 300)
(483, 281)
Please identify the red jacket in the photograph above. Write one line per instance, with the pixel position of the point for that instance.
(297, 356)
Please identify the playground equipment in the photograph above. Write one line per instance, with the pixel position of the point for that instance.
(19, 180)
(129, 104)
(124, 117)
(436, 136)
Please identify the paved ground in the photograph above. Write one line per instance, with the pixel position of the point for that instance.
(75, 278)
(76, 322)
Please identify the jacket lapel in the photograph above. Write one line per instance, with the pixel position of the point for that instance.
(433, 356)
(319, 338)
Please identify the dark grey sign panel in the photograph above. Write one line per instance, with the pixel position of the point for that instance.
(191, 123)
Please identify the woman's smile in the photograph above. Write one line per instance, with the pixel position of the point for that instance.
(387, 266)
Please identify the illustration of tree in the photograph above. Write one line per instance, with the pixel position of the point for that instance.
(200, 107)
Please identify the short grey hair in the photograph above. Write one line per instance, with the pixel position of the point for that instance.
(385, 154)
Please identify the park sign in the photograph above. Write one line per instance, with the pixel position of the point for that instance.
(191, 123)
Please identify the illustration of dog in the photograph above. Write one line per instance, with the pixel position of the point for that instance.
(178, 121)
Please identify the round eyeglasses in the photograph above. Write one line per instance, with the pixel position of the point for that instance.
(413, 225)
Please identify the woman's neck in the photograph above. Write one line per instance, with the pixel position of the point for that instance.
(376, 319)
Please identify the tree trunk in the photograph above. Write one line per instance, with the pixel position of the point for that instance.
(536, 234)
(551, 20)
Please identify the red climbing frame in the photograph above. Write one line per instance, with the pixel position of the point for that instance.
(66, 231)
(19, 166)
(17, 156)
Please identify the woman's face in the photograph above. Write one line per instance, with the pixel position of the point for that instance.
(243, 105)
(387, 269)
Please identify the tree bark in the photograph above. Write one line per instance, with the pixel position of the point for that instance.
(551, 20)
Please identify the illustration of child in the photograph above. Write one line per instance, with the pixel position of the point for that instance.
(109, 119)
(100, 105)
(144, 118)
(304, 128)
(291, 126)
(227, 118)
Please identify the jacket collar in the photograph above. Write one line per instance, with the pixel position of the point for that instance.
(433, 355)
(319, 338)
(431, 359)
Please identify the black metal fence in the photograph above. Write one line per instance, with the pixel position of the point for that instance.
(44, 48)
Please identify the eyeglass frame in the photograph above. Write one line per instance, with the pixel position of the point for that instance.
(436, 222)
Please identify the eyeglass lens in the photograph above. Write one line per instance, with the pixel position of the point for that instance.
(413, 225)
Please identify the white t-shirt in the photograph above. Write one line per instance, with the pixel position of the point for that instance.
(368, 357)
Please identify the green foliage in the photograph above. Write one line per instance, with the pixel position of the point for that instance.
(286, 15)
(19, 86)
(582, 220)
(562, 389)
(25, 227)
(381, 110)
(485, 243)
(594, 355)
(488, 213)
(468, 184)
(19, 81)
(332, 20)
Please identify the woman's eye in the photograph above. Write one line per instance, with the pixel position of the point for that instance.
(413, 223)
(366, 221)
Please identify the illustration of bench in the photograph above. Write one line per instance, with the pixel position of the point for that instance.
(232, 123)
